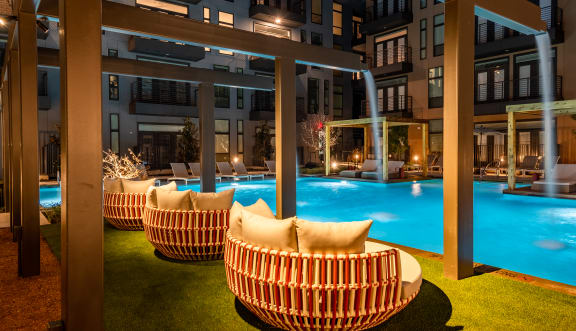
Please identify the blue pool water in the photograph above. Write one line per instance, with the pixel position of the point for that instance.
(531, 235)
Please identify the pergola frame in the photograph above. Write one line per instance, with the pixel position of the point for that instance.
(366, 124)
(566, 107)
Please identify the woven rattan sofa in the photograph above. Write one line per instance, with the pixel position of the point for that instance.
(322, 291)
(124, 210)
(187, 234)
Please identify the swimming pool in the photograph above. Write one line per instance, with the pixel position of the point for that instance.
(531, 235)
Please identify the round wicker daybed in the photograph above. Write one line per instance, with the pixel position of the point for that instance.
(322, 291)
(187, 234)
(124, 210)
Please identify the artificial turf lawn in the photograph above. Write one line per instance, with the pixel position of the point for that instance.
(144, 292)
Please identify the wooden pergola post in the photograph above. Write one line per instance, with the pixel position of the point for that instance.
(285, 75)
(511, 151)
(424, 149)
(207, 138)
(6, 146)
(327, 163)
(366, 146)
(81, 111)
(384, 149)
(16, 139)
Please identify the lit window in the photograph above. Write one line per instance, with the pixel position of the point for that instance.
(113, 88)
(222, 137)
(316, 11)
(273, 31)
(227, 20)
(337, 19)
(436, 87)
(356, 22)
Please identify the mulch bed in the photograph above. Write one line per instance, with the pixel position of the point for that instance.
(27, 303)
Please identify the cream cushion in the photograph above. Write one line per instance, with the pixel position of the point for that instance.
(174, 200)
(411, 270)
(113, 185)
(152, 199)
(258, 208)
(332, 238)
(212, 201)
(137, 186)
(268, 232)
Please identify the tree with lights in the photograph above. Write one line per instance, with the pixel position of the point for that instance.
(313, 133)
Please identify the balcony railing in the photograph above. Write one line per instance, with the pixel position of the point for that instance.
(382, 9)
(297, 7)
(401, 104)
(393, 55)
(163, 92)
(524, 88)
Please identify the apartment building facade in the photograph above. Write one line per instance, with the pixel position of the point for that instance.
(404, 49)
(147, 114)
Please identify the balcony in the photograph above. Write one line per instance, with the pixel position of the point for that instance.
(392, 61)
(267, 65)
(492, 40)
(379, 18)
(293, 15)
(162, 97)
(165, 49)
(493, 98)
(399, 106)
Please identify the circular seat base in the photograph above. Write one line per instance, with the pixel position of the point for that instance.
(126, 224)
(188, 254)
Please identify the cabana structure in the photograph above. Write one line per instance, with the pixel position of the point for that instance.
(367, 124)
(81, 66)
(534, 110)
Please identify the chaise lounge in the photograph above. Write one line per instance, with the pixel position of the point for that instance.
(368, 165)
(393, 170)
(564, 181)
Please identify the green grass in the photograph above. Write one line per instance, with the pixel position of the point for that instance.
(144, 292)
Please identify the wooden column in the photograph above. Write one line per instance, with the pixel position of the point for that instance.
(81, 110)
(327, 162)
(207, 137)
(6, 144)
(365, 150)
(511, 151)
(424, 149)
(458, 138)
(285, 80)
(384, 149)
(16, 146)
(30, 240)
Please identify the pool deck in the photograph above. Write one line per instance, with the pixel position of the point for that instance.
(480, 268)
(527, 191)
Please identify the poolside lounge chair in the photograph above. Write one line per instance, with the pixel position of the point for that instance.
(226, 171)
(195, 169)
(438, 167)
(542, 165)
(368, 165)
(393, 170)
(271, 165)
(240, 169)
(529, 164)
(492, 168)
(564, 179)
(181, 173)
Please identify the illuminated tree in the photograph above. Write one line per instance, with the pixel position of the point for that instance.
(126, 166)
(313, 133)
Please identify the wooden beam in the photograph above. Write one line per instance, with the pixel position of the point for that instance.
(134, 68)
(81, 111)
(30, 204)
(458, 138)
(424, 150)
(365, 146)
(563, 107)
(207, 137)
(527, 20)
(327, 161)
(285, 137)
(384, 150)
(135, 21)
(511, 151)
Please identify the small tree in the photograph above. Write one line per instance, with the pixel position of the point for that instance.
(127, 166)
(189, 144)
(313, 133)
(398, 141)
(262, 149)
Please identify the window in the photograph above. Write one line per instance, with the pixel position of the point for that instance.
(439, 35)
(240, 92)
(221, 93)
(316, 15)
(113, 89)
(313, 95)
(392, 95)
(240, 138)
(326, 97)
(114, 133)
(303, 38)
(437, 2)
(112, 52)
(222, 137)
(316, 38)
(206, 20)
(423, 4)
(356, 23)
(391, 48)
(436, 87)
(491, 80)
(337, 19)
(338, 100)
(274, 31)
(227, 20)
(163, 6)
(42, 83)
(423, 38)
